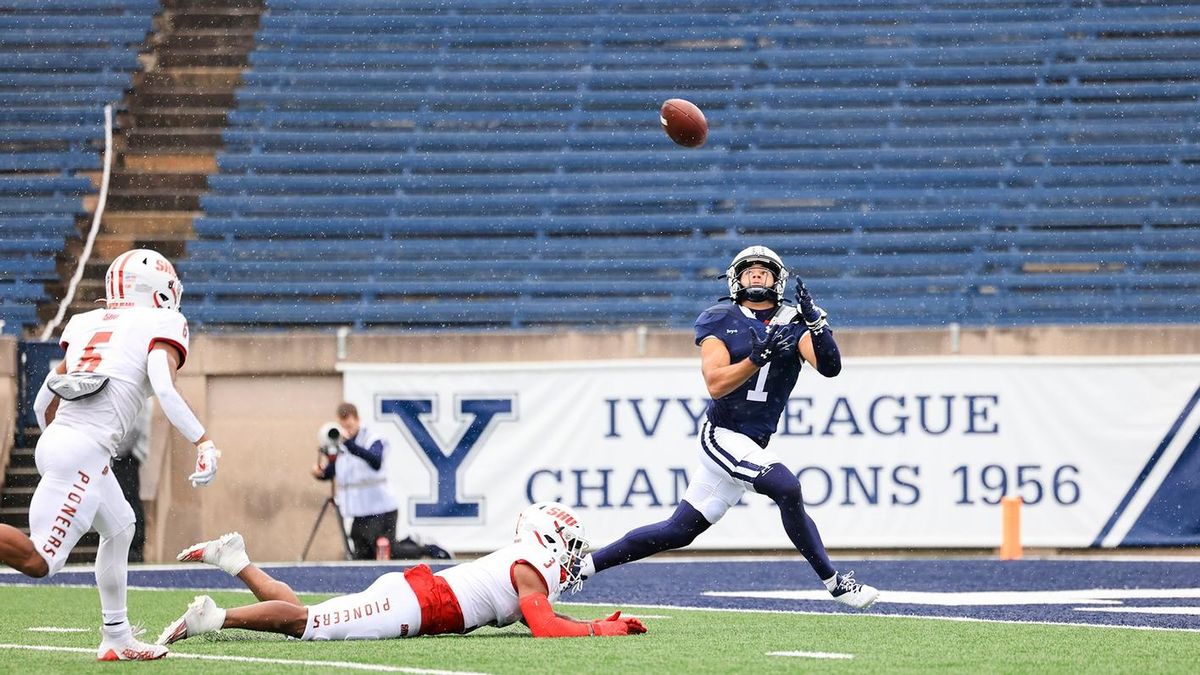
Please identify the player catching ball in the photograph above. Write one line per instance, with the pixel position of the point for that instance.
(751, 353)
(115, 357)
(516, 583)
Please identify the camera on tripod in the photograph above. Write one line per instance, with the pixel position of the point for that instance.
(330, 439)
(329, 446)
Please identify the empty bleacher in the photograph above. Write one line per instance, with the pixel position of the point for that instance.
(495, 164)
(60, 63)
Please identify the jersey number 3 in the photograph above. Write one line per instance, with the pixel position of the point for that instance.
(89, 361)
(759, 393)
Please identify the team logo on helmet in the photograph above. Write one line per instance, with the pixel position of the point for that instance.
(558, 529)
(749, 257)
(142, 278)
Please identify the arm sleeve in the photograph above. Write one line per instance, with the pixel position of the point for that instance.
(173, 405)
(829, 358)
(42, 402)
(372, 455)
(542, 620)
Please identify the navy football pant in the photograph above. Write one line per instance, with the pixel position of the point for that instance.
(782, 486)
(776, 482)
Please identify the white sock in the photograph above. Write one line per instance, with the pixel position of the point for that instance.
(112, 567)
(830, 583)
(588, 567)
(116, 624)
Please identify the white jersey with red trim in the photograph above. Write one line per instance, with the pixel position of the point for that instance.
(115, 343)
(485, 589)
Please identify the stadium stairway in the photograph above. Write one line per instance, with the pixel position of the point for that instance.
(20, 478)
(170, 131)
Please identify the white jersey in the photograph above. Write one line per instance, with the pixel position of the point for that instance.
(363, 491)
(484, 587)
(115, 343)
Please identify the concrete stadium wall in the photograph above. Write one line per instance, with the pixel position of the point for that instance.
(9, 382)
(263, 397)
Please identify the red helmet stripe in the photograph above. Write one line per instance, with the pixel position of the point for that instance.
(121, 274)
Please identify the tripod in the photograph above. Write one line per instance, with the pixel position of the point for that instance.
(341, 523)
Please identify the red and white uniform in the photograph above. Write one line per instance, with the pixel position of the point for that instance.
(77, 490)
(458, 599)
(115, 343)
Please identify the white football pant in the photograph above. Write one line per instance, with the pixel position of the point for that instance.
(77, 491)
(387, 609)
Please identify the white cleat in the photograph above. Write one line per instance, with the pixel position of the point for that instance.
(202, 616)
(128, 649)
(228, 552)
(853, 594)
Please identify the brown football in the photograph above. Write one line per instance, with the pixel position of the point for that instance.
(683, 122)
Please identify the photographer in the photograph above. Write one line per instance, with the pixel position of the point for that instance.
(353, 458)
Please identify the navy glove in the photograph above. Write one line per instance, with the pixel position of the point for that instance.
(814, 316)
(780, 342)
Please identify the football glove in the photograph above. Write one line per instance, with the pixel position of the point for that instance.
(814, 317)
(206, 464)
(615, 625)
(780, 342)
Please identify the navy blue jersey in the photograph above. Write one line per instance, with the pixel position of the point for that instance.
(753, 409)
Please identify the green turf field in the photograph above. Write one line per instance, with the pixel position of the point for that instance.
(683, 641)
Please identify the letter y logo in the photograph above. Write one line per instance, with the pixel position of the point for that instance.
(447, 461)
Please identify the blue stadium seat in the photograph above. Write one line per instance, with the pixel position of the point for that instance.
(987, 163)
(60, 63)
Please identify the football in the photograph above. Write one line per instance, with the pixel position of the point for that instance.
(683, 122)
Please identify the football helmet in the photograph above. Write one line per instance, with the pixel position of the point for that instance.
(760, 255)
(556, 527)
(142, 278)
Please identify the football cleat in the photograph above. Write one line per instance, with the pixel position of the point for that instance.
(128, 648)
(853, 594)
(228, 552)
(202, 616)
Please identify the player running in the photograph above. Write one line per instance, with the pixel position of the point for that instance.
(115, 358)
(748, 353)
(518, 582)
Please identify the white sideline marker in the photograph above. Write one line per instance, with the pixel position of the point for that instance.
(348, 665)
(1173, 611)
(812, 655)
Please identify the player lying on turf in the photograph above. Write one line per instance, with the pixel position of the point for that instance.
(518, 582)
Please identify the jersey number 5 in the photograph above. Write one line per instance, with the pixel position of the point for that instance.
(89, 361)
(759, 393)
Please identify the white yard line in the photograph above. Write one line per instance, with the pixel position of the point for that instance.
(347, 665)
(58, 629)
(845, 615)
(1082, 596)
(812, 655)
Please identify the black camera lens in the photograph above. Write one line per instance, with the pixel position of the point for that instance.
(334, 434)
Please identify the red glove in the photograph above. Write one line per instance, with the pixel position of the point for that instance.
(615, 625)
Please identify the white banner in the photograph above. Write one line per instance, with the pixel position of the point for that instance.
(892, 453)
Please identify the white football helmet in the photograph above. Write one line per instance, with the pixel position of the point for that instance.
(142, 278)
(557, 528)
(756, 255)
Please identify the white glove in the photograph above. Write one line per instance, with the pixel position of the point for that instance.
(206, 464)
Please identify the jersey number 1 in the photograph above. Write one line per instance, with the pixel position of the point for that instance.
(759, 393)
(89, 361)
